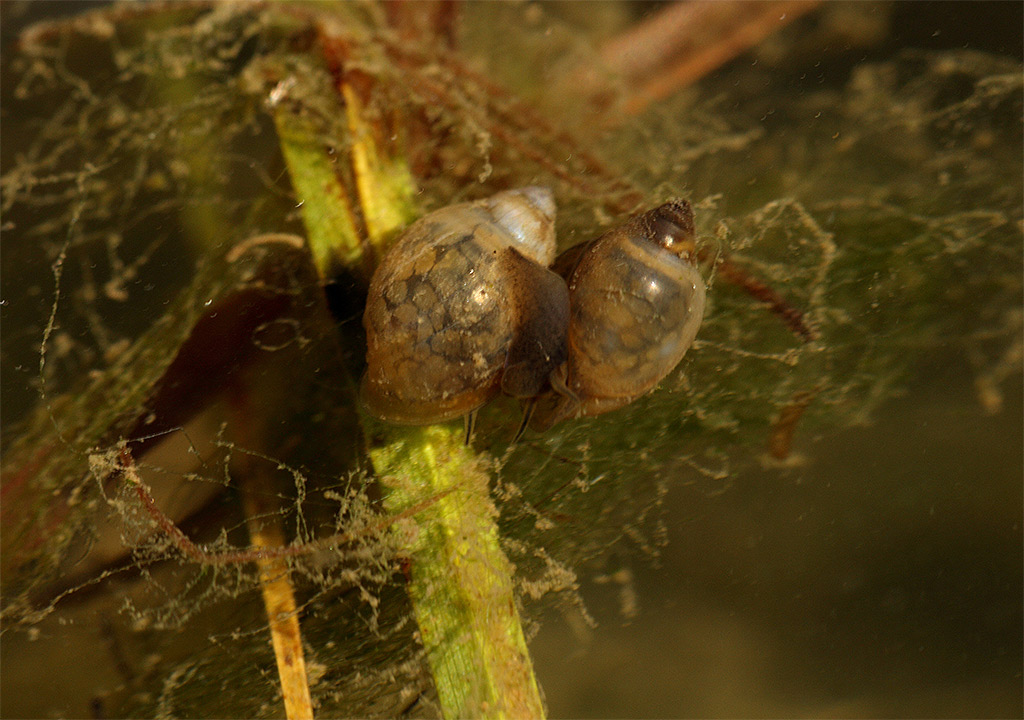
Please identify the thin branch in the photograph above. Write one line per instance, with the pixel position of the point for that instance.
(686, 41)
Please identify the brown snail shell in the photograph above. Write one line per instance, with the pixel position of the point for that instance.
(463, 307)
(636, 302)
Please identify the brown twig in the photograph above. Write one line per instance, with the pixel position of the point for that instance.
(686, 41)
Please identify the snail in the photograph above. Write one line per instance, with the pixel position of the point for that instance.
(636, 301)
(463, 307)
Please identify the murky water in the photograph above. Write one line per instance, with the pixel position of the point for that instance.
(874, 571)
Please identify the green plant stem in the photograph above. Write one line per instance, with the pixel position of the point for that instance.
(459, 578)
(326, 212)
(460, 582)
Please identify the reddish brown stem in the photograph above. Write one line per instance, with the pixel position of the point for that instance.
(201, 555)
(791, 316)
(518, 125)
(780, 440)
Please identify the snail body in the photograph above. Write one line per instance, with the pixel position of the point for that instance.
(463, 307)
(636, 303)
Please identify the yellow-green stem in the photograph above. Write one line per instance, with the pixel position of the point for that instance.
(461, 583)
(460, 580)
